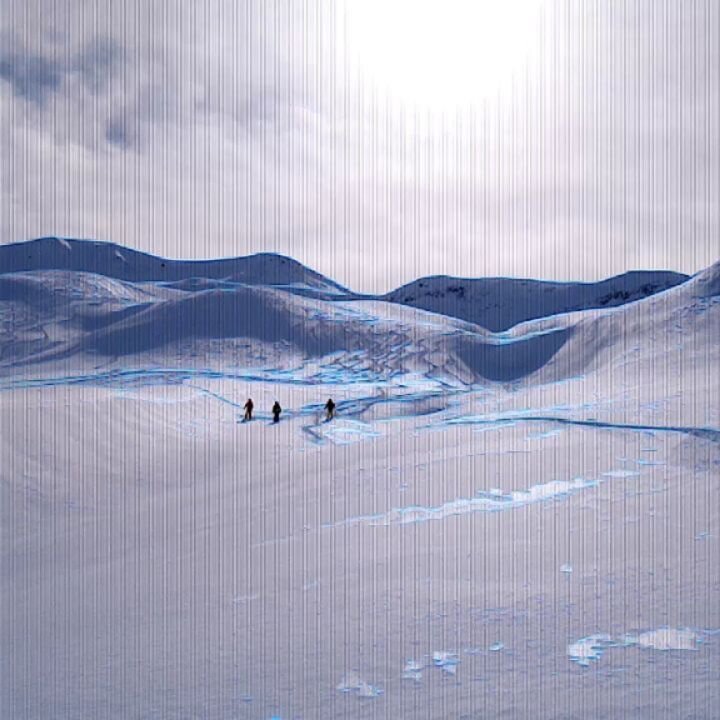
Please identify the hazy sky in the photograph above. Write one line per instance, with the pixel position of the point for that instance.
(375, 141)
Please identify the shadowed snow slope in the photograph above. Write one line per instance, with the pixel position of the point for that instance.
(683, 323)
(500, 303)
(122, 263)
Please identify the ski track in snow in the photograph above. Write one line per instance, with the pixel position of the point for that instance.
(706, 433)
(349, 408)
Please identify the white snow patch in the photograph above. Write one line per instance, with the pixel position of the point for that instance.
(352, 683)
(412, 671)
(664, 639)
(492, 501)
(589, 648)
(592, 647)
(345, 432)
(446, 661)
(621, 473)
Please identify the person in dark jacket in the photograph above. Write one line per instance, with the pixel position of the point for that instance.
(276, 410)
(249, 405)
(330, 409)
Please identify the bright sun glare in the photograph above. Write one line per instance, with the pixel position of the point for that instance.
(438, 54)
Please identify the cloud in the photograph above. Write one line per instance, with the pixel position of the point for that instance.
(31, 77)
(222, 128)
(117, 132)
(98, 63)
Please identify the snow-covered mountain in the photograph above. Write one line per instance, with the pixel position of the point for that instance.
(121, 263)
(271, 310)
(500, 303)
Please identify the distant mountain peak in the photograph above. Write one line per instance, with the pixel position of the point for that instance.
(123, 263)
(499, 303)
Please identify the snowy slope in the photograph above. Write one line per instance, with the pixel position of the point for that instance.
(495, 524)
(85, 320)
(499, 303)
(81, 318)
(683, 322)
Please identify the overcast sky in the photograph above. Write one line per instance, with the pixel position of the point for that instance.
(375, 142)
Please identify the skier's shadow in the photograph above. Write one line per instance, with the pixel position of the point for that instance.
(245, 421)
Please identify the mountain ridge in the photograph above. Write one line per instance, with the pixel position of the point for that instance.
(494, 303)
(123, 263)
(500, 303)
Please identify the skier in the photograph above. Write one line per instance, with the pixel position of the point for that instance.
(249, 405)
(330, 409)
(276, 410)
